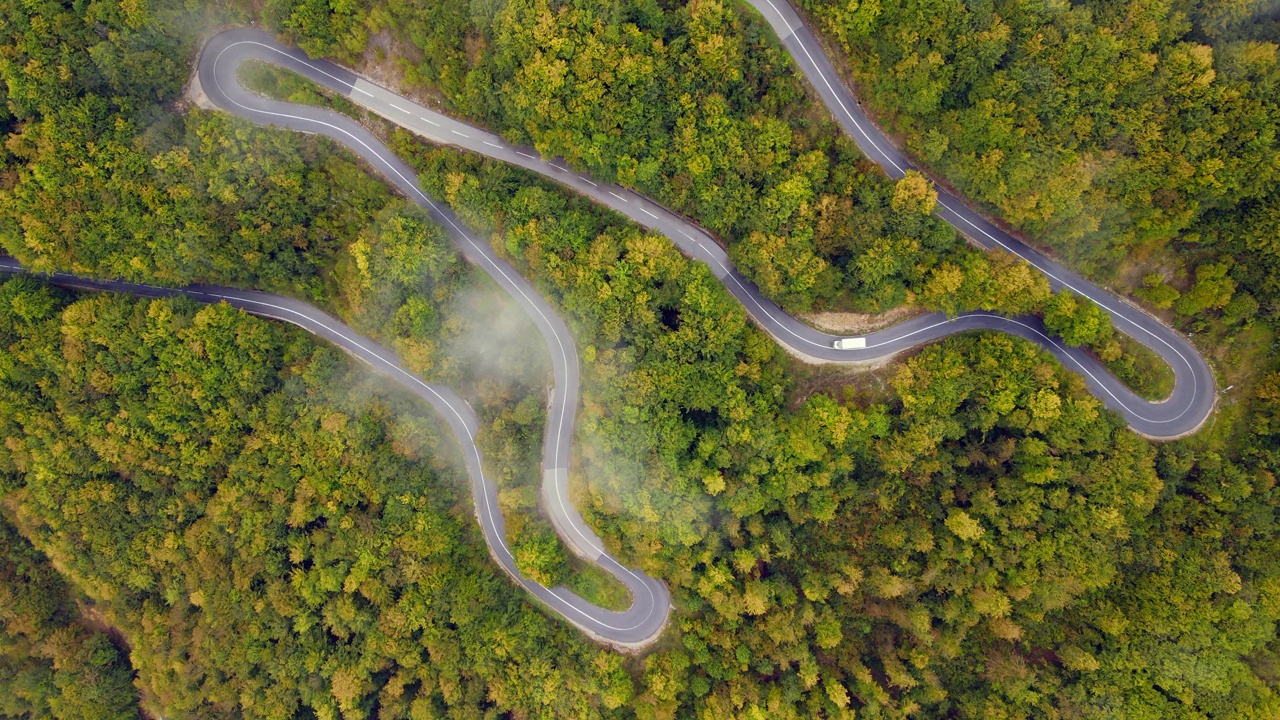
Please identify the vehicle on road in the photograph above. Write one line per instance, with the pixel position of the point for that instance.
(849, 343)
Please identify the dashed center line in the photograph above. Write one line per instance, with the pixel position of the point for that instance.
(455, 132)
(646, 212)
(486, 142)
(525, 154)
(587, 181)
(617, 196)
(406, 112)
(429, 120)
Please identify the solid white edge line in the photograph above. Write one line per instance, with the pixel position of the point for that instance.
(1047, 273)
(856, 124)
(496, 267)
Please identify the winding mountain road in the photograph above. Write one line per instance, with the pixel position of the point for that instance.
(1189, 405)
(1194, 391)
(636, 627)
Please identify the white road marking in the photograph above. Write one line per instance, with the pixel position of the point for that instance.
(486, 142)
(555, 335)
(455, 132)
(429, 120)
(525, 154)
(891, 161)
(646, 212)
(513, 285)
(587, 181)
(406, 112)
(832, 90)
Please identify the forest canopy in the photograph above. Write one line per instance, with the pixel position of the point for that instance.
(966, 533)
(268, 526)
(1108, 130)
(52, 663)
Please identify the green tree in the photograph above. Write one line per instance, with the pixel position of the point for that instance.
(540, 557)
(1157, 292)
(1212, 290)
(1077, 320)
(914, 193)
(53, 664)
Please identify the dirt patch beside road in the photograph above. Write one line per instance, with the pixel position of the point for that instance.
(854, 323)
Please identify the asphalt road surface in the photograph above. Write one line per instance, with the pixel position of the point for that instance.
(1181, 413)
(1189, 405)
(637, 626)
(1194, 392)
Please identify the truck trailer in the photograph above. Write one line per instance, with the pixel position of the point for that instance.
(850, 343)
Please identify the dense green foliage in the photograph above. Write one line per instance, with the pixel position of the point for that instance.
(263, 522)
(213, 199)
(272, 531)
(96, 179)
(1107, 129)
(995, 545)
(51, 664)
(694, 106)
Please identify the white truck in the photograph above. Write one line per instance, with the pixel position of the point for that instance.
(850, 343)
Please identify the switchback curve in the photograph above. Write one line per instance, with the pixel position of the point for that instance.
(1188, 406)
(1194, 394)
(634, 628)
